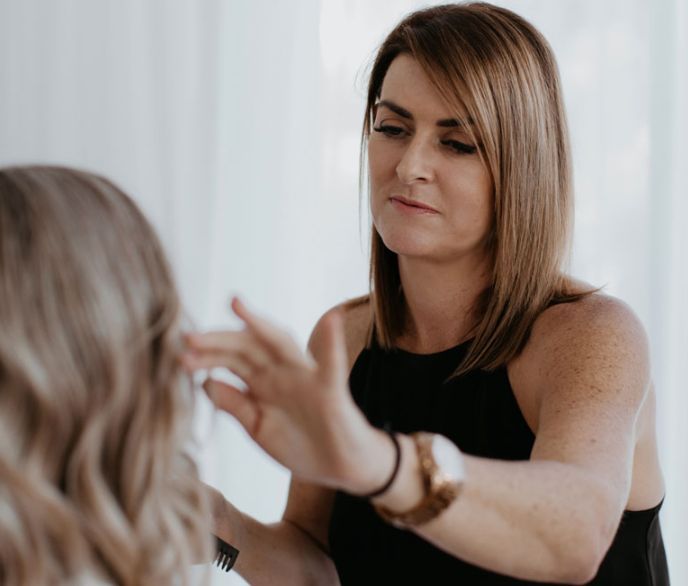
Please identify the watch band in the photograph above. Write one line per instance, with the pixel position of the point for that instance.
(440, 490)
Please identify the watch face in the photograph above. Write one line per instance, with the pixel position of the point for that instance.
(448, 458)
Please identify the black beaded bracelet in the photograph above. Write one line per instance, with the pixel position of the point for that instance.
(397, 462)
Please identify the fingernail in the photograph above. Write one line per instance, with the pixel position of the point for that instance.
(238, 304)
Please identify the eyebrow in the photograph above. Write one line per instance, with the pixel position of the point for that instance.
(404, 113)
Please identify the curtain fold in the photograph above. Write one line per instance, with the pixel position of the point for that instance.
(668, 278)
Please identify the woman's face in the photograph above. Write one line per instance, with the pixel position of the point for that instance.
(431, 195)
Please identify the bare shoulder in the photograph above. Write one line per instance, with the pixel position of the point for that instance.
(357, 317)
(597, 322)
(593, 347)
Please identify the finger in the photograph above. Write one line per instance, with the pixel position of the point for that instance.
(276, 341)
(240, 343)
(207, 361)
(247, 361)
(234, 363)
(218, 340)
(233, 401)
(332, 355)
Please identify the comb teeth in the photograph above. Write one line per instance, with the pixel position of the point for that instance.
(226, 554)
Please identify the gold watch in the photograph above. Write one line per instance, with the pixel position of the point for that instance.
(441, 467)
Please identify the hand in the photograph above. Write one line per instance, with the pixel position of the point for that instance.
(297, 407)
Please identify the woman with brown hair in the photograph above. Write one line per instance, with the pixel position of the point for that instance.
(95, 409)
(480, 417)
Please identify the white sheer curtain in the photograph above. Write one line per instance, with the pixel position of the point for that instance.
(128, 89)
(668, 275)
(236, 127)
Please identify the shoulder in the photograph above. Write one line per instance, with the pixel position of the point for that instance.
(357, 320)
(592, 348)
(594, 322)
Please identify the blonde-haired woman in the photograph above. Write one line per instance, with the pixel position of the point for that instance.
(480, 418)
(95, 485)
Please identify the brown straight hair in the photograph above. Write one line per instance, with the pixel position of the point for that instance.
(493, 66)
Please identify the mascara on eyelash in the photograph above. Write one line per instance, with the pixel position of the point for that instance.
(458, 147)
(384, 128)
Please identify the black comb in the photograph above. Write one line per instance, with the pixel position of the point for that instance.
(226, 554)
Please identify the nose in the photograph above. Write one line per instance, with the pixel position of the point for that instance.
(416, 164)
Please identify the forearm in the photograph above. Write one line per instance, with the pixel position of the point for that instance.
(275, 553)
(538, 520)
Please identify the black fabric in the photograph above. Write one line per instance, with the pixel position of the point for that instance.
(479, 413)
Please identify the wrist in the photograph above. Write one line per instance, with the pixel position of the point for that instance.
(227, 520)
(439, 465)
(407, 489)
(377, 466)
(380, 490)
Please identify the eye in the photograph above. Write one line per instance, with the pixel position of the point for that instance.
(389, 130)
(460, 148)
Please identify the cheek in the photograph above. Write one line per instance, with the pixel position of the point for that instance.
(380, 170)
(382, 162)
(472, 199)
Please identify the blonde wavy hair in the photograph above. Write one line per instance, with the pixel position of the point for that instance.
(496, 67)
(95, 413)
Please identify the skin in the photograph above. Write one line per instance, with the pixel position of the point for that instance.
(582, 384)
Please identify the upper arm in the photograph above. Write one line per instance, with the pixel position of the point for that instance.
(309, 506)
(590, 364)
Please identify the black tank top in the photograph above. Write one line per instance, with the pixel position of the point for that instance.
(478, 412)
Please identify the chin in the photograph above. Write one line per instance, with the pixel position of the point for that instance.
(422, 245)
(406, 243)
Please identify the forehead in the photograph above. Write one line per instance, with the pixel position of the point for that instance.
(407, 85)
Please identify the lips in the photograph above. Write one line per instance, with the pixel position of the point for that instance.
(413, 204)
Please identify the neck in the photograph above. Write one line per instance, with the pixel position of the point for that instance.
(440, 301)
